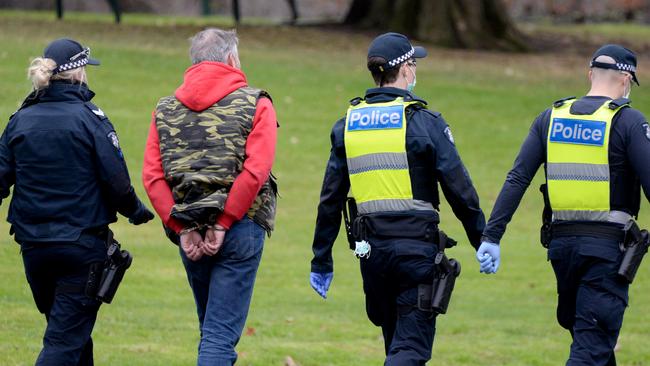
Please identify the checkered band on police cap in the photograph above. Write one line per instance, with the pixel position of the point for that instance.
(626, 67)
(617, 66)
(71, 65)
(402, 58)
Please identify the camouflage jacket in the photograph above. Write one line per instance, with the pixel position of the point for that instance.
(203, 152)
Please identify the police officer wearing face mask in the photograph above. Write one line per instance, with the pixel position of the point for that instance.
(62, 156)
(595, 153)
(390, 152)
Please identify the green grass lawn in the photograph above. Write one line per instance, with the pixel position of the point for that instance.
(489, 99)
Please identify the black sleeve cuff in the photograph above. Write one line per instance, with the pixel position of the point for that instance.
(322, 267)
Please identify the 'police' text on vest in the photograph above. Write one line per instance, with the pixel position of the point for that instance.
(576, 131)
(374, 118)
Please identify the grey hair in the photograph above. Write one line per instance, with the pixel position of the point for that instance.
(213, 44)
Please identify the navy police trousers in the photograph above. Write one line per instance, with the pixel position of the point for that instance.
(57, 273)
(391, 276)
(591, 296)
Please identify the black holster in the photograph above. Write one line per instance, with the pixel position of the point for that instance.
(443, 282)
(436, 297)
(635, 247)
(546, 233)
(105, 278)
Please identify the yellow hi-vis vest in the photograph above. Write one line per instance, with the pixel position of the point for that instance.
(577, 162)
(375, 145)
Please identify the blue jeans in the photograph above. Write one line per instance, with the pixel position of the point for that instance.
(591, 296)
(57, 274)
(222, 287)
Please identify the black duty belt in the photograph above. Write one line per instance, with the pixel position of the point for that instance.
(604, 231)
(97, 230)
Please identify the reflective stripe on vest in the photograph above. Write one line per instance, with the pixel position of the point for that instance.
(375, 145)
(577, 163)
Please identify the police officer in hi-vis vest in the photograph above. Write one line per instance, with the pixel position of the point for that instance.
(595, 152)
(390, 152)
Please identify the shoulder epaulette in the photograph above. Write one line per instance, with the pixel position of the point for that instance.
(413, 98)
(96, 110)
(560, 102)
(433, 113)
(617, 103)
(355, 101)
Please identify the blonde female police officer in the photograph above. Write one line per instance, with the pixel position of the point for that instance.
(595, 151)
(61, 154)
(391, 152)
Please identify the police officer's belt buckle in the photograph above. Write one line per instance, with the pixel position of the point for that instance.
(362, 249)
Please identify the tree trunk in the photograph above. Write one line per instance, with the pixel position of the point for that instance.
(482, 24)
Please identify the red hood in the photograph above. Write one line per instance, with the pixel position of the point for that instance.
(207, 83)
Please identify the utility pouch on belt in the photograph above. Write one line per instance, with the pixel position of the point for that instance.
(105, 278)
(545, 234)
(635, 246)
(436, 297)
(349, 216)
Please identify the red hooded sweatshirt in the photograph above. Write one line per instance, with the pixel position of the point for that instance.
(205, 84)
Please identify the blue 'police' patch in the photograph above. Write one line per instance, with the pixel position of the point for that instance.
(375, 118)
(578, 131)
(646, 129)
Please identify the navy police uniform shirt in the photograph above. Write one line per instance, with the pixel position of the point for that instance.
(629, 150)
(432, 159)
(62, 155)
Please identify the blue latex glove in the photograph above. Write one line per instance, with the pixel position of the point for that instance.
(320, 282)
(489, 257)
(487, 265)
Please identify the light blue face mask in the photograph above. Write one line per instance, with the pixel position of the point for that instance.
(411, 86)
(362, 249)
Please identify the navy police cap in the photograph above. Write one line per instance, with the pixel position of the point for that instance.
(395, 48)
(68, 54)
(624, 59)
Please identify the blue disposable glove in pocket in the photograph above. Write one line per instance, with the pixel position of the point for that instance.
(489, 257)
(320, 282)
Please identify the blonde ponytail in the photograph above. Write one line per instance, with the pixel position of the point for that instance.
(77, 75)
(41, 69)
(40, 72)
